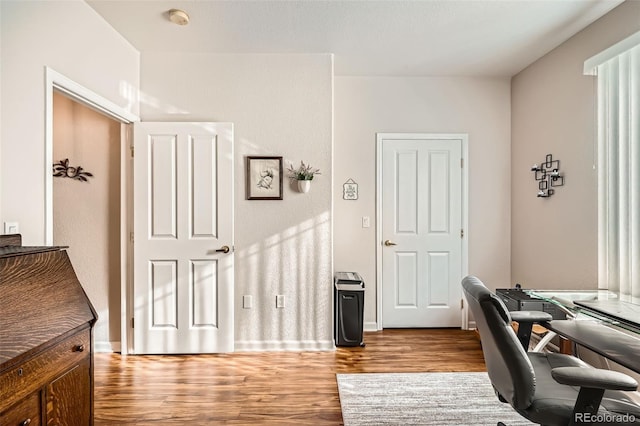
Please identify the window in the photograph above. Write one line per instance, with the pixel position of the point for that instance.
(618, 71)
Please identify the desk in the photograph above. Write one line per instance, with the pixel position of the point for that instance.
(625, 313)
(601, 339)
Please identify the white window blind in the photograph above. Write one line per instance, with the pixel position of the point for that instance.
(619, 172)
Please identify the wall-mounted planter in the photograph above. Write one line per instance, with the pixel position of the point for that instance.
(303, 175)
(304, 186)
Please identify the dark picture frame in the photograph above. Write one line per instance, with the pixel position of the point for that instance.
(264, 178)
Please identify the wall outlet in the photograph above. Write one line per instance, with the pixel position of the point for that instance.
(247, 302)
(11, 228)
(280, 301)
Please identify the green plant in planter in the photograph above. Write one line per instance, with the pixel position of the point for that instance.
(303, 172)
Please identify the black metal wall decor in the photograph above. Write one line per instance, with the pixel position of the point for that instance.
(62, 169)
(548, 176)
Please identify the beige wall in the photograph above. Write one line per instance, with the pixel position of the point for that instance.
(479, 107)
(554, 240)
(72, 39)
(86, 215)
(281, 105)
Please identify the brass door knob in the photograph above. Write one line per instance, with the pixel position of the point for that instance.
(389, 243)
(224, 249)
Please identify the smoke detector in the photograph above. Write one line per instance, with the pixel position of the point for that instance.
(179, 17)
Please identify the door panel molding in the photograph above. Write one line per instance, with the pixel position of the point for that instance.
(163, 184)
(464, 203)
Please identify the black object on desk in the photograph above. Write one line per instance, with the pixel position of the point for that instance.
(601, 339)
(516, 299)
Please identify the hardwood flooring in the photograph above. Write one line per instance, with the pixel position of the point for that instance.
(265, 388)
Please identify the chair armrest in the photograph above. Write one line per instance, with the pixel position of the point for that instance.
(595, 378)
(525, 320)
(530, 316)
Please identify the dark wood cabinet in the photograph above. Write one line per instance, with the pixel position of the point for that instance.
(46, 355)
(67, 397)
(26, 412)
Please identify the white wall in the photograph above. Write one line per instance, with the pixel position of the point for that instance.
(480, 107)
(554, 240)
(74, 40)
(281, 105)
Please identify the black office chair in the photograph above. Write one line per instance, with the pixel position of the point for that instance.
(545, 388)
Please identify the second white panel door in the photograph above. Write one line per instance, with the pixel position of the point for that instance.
(421, 232)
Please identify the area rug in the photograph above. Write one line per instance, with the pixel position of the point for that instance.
(422, 399)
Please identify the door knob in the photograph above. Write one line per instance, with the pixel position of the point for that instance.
(389, 243)
(223, 249)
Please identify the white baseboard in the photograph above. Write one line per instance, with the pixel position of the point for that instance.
(371, 326)
(248, 346)
(283, 345)
(106, 347)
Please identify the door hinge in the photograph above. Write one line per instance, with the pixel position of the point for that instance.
(132, 322)
(131, 237)
(131, 150)
(462, 233)
(461, 303)
(462, 163)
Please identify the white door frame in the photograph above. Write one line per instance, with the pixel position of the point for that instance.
(56, 81)
(464, 203)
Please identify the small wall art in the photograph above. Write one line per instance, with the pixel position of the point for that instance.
(264, 178)
(63, 169)
(350, 190)
(548, 176)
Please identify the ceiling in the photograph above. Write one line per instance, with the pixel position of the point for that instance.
(368, 37)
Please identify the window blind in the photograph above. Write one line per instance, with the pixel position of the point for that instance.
(619, 172)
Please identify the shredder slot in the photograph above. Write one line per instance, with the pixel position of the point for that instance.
(349, 287)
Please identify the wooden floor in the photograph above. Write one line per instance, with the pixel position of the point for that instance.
(265, 388)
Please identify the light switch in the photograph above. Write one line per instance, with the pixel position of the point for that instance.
(366, 222)
(280, 301)
(247, 302)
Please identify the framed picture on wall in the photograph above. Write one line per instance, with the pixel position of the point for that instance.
(264, 178)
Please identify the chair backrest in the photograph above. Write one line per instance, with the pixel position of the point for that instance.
(508, 365)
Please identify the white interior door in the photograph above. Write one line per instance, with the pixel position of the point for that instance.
(183, 220)
(421, 232)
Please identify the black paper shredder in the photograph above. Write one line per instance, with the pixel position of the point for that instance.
(349, 309)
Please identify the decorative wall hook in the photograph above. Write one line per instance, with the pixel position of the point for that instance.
(62, 169)
(548, 176)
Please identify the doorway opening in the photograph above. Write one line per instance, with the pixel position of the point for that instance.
(86, 207)
(115, 301)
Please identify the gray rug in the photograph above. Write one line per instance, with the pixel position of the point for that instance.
(442, 399)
